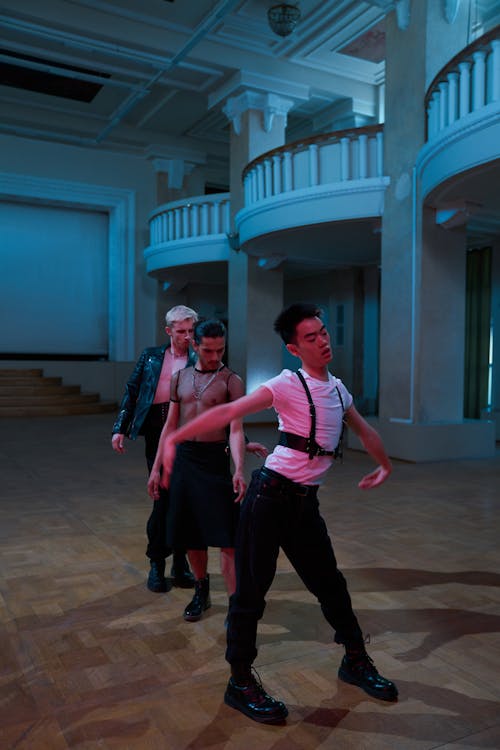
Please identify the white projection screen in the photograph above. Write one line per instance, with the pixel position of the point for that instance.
(53, 280)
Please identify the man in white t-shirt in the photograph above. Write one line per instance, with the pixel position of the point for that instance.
(281, 509)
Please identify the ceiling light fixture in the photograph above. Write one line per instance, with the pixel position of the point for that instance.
(283, 18)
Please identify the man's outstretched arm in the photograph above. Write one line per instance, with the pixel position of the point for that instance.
(214, 419)
(373, 444)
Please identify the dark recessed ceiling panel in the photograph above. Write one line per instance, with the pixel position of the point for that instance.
(44, 82)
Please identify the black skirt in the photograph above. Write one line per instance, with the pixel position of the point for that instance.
(202, 512)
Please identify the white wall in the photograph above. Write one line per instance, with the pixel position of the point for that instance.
(90, 171)
(54, 280)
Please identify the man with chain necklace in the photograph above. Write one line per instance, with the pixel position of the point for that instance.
(204, 498)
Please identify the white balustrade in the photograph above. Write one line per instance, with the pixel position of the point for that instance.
(190, 218)
(348, 155)
(468, 84)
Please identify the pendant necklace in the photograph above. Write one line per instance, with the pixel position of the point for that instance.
(198, 392)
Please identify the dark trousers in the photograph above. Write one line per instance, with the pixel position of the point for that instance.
(156, 527)
(279, 513)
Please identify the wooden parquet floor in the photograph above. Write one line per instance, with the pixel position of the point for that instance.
(91, 659)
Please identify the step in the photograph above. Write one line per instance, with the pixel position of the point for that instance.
(31, 390)
(29, 381)
(62, 410)
(44, 399)
(15, 373)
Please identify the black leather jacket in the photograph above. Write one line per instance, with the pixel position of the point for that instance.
(140, 391)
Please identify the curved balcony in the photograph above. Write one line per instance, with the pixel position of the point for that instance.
(330, 177)
(192, 230)
(463, 108)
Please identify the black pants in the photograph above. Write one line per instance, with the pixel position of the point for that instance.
(279, 513)
(156, 527)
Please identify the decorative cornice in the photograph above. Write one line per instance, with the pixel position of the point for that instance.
(269, 104)
(176, 169)
(245, 80)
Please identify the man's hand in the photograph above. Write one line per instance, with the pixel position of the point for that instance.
(375, 477)
(118, 442)
(239, 486)
(154, 484)
(257, 449)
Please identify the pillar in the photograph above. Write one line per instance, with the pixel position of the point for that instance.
(422, 323)
(255, 294)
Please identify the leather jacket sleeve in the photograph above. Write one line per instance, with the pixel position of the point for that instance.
(129, 400)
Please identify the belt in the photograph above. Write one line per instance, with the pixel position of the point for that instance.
(303, 444)
(277, 481)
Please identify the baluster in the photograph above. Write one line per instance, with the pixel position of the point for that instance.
(344, 158)
(452, 97)
(495, 70)
(435, 112)
(260, 182)
(170, 226)
(464, 108)
(247, 189)
(178, 223)
(254, 185)
(226, 210)
(363, 156)
(443, 104)
(430, 115)
(204, 218)
(215, 218)
(380, 154)
(287, 172)
(313, 164)
(268, 179)
(185, 221)
(195, 220)
(276, 174)
(478, 79)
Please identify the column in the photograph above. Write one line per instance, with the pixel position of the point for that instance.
(255, 295)
(422, 320)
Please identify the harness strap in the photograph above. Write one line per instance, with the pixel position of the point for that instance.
(309, 445)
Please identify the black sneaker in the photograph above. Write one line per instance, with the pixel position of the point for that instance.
(362, 672)
(253, 701)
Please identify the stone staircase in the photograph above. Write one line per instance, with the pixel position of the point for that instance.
(27, 393)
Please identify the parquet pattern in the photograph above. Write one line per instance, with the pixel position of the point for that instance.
(89, 658)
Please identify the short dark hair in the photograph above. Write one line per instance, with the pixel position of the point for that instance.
(211, 329)
(287, 321)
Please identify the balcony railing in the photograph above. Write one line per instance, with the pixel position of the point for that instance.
(190, 218)
(340, 156)
(470, 81)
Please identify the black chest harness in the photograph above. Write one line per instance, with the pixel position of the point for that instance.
(308, 444)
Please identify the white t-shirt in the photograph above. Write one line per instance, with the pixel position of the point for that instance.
(292, 407)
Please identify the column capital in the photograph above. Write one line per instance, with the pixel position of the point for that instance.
(269, 104)
(403, 14)
(176, 169)
(451, 10)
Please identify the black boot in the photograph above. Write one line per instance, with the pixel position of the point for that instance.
(200, 601)
(180, 573)
(156, 578)
(358, 669)
(245, 693)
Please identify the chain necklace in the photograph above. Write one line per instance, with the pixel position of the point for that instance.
(197, 391)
